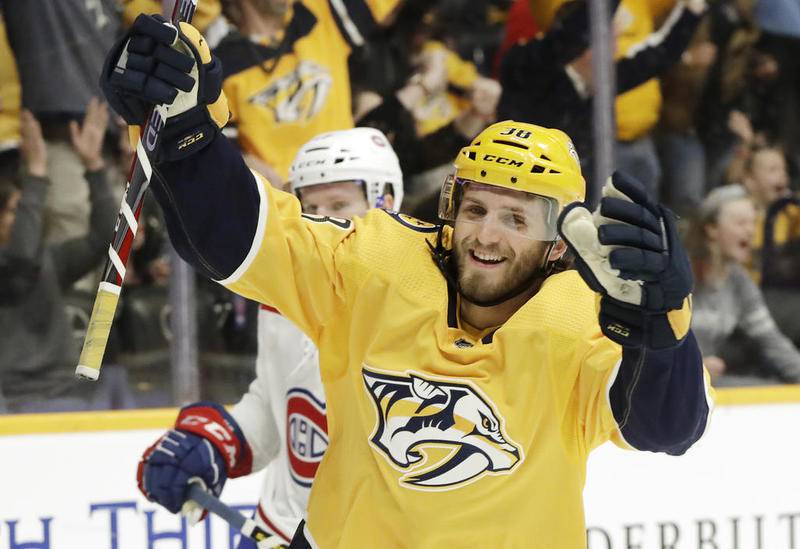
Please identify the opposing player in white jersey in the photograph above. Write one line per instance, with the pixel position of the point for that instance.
(337, 174)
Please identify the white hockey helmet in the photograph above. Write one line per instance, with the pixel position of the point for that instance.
(357, 154)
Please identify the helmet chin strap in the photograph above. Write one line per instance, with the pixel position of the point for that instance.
(443, 259)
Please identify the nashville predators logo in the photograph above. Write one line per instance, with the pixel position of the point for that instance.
(297, 96)
(441, 435)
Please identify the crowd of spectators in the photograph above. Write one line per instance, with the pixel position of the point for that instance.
(707, 114)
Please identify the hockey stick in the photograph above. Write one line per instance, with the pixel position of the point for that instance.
(105, 303)
(246, 526)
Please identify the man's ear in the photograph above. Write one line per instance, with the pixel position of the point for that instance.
(388, 202)
(559, 249)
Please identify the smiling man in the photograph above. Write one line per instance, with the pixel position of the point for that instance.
(467, 376)
(501, 247)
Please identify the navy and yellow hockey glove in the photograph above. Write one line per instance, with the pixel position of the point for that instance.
(156, 63)
(629, 252)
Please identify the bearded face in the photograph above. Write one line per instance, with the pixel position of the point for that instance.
(495, 259)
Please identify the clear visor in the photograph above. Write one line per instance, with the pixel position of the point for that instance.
(517, 213)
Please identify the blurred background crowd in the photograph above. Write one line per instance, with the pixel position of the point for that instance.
(707, 115)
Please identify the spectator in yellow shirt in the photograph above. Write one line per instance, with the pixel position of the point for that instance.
(286, 73)
(9, 106)
(637, 111)
(776, 241)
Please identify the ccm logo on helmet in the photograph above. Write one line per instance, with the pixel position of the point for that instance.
(309, 164)
(502, 160)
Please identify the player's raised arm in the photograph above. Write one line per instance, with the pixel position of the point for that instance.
(153, 64)
(217, 211)
(629, 252)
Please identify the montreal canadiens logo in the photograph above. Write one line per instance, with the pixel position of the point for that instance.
(306, 434)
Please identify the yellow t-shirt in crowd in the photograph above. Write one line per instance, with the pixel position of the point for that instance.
(438, 437)
(439, 110)
(284, 93)
(10, 94)
(638, 110)
(786, 228)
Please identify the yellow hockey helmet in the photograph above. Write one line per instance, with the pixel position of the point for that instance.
(521, 157)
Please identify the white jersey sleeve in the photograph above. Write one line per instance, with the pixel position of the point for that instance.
(254, 412)
(283, 418)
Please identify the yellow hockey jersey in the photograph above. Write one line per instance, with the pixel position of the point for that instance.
(437, 438)
(282, 94)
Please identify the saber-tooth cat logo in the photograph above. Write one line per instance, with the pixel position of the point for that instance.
(297, 96)
(441, 434)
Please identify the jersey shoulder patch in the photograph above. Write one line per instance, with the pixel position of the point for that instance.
(412, 223)
(338, 222)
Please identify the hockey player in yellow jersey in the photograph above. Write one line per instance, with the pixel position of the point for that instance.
(467, 374)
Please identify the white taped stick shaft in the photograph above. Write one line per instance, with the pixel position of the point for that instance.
(94, 344)
(143, 160)
(116, 261)
(109, 287)
(129, 217)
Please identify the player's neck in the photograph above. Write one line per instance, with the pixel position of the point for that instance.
(480, 318)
